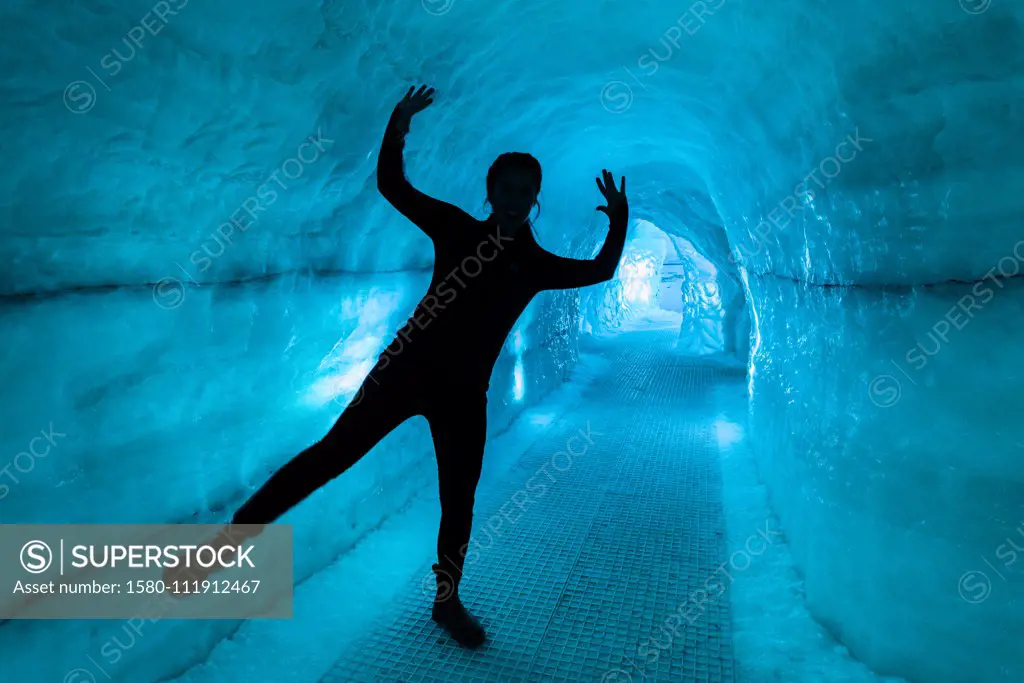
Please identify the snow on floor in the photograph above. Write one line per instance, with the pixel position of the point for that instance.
(773, 636)
(339, 603)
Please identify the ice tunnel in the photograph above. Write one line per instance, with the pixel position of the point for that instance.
(783, 443)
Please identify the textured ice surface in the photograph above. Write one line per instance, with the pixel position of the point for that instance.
(127, 412)
(865, 143)
(887, 427)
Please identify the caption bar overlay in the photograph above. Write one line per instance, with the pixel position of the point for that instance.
(151, 571)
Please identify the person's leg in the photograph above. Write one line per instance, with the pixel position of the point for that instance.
(458, 425)
(375, 411)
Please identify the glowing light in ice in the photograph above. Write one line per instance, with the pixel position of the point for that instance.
(517, 341)
(518, 384)
(755, 328)
(336, 385)
(727, 432)
(351, 380)
(342, 370)
(637, 275)
(518, 376)
(348, 349)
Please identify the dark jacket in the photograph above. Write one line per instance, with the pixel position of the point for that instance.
(482, 282)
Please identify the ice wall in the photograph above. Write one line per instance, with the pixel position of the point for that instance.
(890, 441)
(896, 469)
(701, 330)
(122, 410)
(138, 136)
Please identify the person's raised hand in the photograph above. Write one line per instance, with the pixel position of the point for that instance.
(415, 101)
(616, 198)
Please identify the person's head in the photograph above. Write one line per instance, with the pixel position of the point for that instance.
(513, 183)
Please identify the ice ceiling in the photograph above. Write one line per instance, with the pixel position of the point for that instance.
(716, 111)
(845, 153)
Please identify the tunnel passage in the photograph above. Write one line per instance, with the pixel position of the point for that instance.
(848, 156)
(609, 527)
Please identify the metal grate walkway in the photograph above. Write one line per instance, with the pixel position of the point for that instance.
(591, 560)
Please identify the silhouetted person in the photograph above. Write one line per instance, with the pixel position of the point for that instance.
(439, 365)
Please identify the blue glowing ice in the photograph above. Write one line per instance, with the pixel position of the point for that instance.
(199, 271)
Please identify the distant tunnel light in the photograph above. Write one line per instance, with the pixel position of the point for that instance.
(638, 292)
(637, 275)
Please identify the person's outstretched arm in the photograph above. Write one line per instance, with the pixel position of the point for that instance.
(565, 273)
(433, 216)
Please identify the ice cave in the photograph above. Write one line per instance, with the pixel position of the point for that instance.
(784, 443)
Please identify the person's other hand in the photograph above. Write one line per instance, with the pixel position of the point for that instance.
(616, 198)
(415, 101)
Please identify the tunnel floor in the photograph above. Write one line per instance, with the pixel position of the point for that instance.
(606, 527)
(613, 571)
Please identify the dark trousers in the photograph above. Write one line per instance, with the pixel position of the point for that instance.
(457, 414)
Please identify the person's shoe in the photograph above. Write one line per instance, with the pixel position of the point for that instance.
(460, 624)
